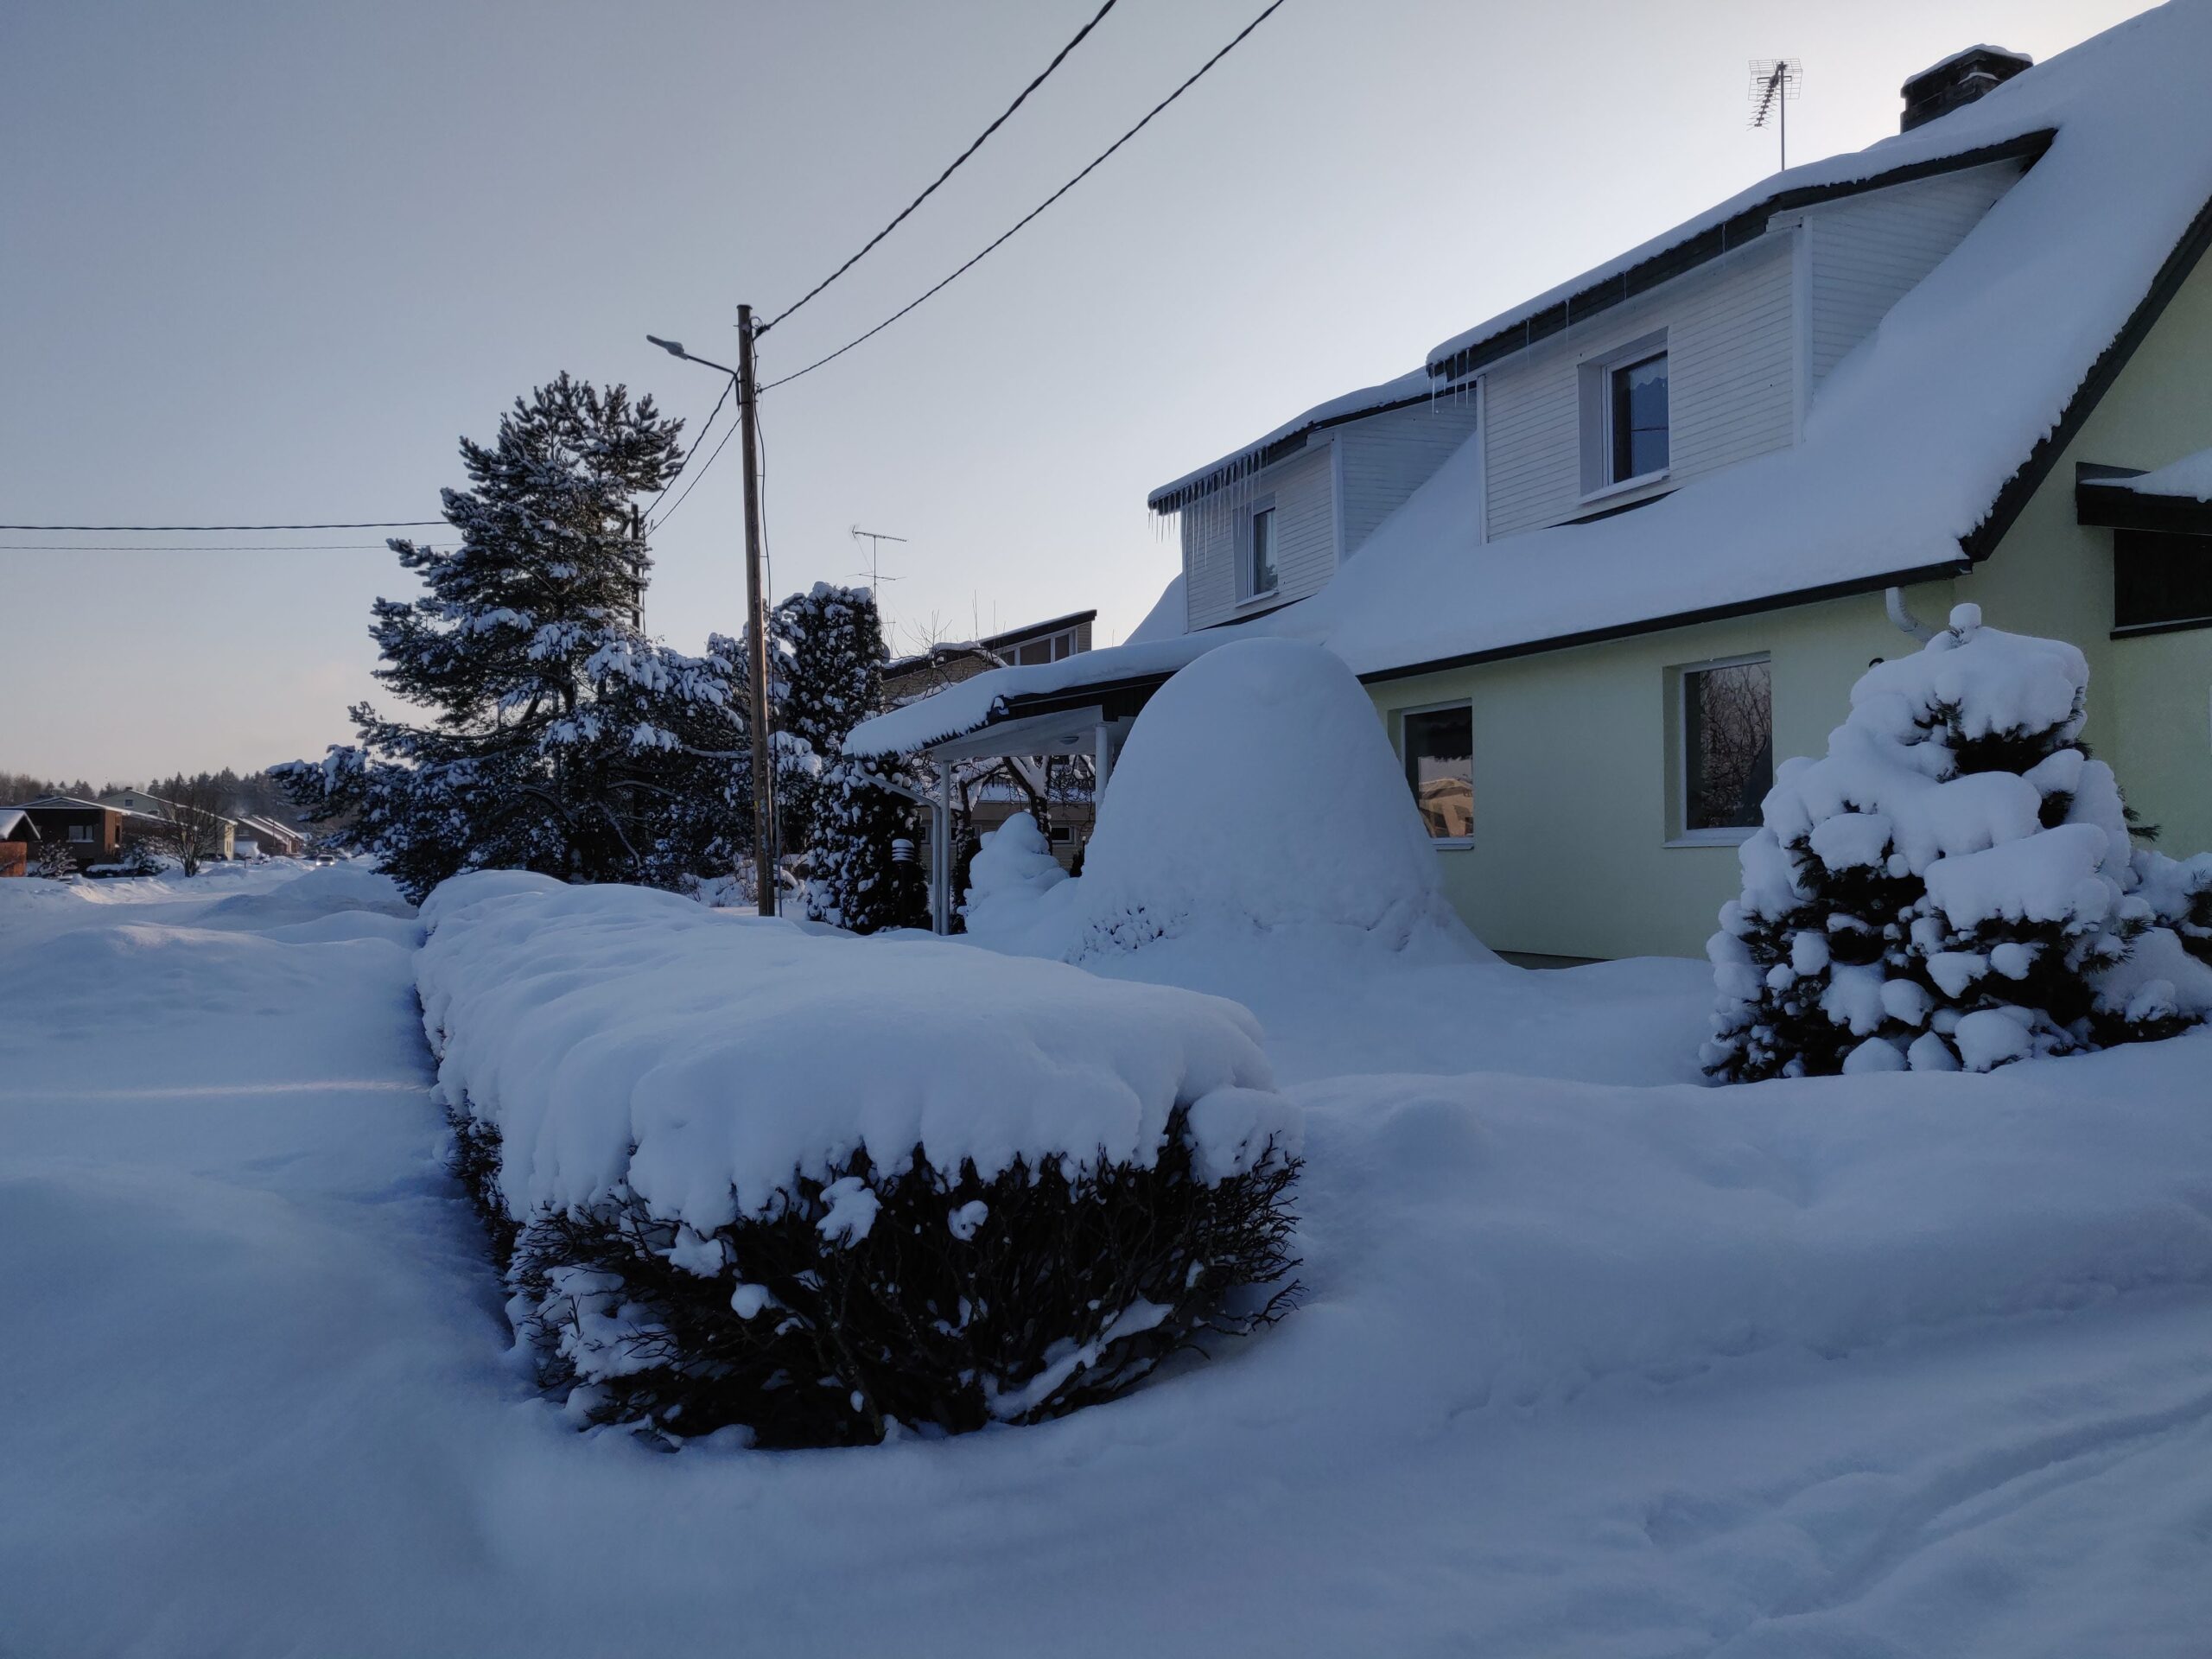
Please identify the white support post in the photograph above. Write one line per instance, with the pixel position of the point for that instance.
(941, 852)
(1104, 765)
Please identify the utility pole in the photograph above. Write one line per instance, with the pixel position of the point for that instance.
(756, 610)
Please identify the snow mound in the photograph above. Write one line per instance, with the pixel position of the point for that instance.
(1257, 794)
(620, 1038)
(1013, 867)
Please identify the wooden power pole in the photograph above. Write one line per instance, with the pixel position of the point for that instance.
(756, 611)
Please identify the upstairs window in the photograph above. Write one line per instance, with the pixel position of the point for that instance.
(1639, 418)
(1260, 552)
(1623, 392)
(1728, 724)
(1439, 746)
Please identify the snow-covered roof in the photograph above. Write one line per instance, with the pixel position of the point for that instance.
(1921, 446)
(2188, 479)
(11, 819)
(1288, 438)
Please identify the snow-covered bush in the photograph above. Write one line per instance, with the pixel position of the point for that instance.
(746, 1174)
(1012, 866)
(52, 862)
(1952, 885)
(1257, 795)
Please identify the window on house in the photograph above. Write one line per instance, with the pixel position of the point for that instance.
(1639, 418)
(1260, 552)
(2160, 580)
(80, 832)
(1439, 746)
(1727, 744)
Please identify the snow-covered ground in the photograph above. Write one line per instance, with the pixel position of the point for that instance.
(1594, 1360)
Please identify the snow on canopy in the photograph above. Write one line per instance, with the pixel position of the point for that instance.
(619, 1034)
(1257, 792)
(1906, 448)
(2188, 479)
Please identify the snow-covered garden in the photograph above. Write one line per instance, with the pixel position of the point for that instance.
(1588, 1355)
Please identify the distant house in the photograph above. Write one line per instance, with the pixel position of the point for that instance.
(94, 833)
(991, 805)
(268, 838)
(948, 664)
(1605, 558)
(153, 808)
(17, 834)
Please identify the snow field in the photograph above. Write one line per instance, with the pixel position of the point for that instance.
(1906, 1365)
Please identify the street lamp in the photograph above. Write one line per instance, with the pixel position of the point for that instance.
(764, 836)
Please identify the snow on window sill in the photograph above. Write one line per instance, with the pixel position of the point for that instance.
(1606, 492)
(1452, 843)
(1711, 837)
(1258, 599)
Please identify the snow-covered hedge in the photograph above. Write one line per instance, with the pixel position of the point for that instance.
(1951, 886)
(747, 1173)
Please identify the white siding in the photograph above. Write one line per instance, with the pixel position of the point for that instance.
(1304, 489)
(1388, 457)
(1732, 385)
(1867, 250)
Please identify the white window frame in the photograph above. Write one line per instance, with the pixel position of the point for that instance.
(1246, 594)
(1680, 834)
(1595, 392)
(1445, 843)
(83, 835)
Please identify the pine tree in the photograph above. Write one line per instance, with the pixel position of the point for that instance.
(561, 739)
(1951, 886)
(829, 658)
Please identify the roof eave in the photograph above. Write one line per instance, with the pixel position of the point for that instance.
(2013, 497)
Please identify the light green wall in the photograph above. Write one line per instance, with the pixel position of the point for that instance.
(2149, 697)
(1570, 854)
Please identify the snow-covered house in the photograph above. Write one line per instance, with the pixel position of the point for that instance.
(1607, 556)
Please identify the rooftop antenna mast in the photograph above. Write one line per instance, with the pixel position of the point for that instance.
(874, 539)
(1775, 81)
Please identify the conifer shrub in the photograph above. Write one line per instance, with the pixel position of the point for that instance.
(1952, 885)
(943, 1302)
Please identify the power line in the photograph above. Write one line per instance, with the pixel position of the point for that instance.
(264, 547)
(1059, 58)
(706, 428)
(1271, 8)
(362, 524)
(695, 477)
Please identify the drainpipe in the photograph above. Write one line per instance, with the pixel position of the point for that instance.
(1893, 603)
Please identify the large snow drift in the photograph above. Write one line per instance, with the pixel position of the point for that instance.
(619, 1035)
(1257, 793)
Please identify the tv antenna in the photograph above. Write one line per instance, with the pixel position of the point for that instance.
(1775, 81)
(874, 539)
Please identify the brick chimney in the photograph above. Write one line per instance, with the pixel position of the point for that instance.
(1960, 78)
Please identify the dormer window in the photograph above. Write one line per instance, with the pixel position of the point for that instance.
(1260, 551)
(1639, 426)
(1625, 415)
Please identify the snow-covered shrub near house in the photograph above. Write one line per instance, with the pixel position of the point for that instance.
(743, 1173)
(1951, 886)
(1013, 866)
(1258, 797)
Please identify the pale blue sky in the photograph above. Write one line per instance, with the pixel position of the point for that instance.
(266, 261)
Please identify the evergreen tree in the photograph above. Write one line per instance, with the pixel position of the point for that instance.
(561, 739)
(827, 668)
(1950, 886)
(859, 879)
